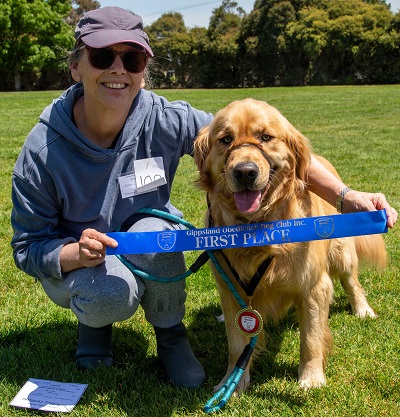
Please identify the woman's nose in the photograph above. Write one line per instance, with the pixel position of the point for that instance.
(118, 65)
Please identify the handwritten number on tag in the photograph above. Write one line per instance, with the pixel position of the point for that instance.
(148, 179)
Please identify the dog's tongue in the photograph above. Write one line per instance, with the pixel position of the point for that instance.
(247, 201)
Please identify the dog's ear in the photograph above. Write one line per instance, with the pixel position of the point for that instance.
(301, 148)
(201, 149)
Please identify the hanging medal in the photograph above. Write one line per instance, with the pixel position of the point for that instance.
(249, 321)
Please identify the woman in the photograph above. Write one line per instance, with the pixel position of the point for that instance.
(75, 180)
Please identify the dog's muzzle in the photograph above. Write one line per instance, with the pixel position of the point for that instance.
(246, 181)
(245, 174)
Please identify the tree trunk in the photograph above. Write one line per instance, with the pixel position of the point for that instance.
(17, 81)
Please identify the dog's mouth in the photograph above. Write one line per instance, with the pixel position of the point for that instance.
(249, 201)
(249, 181)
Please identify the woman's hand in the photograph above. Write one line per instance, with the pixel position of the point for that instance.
(88, 252)
(92, 247)
(326, 185)
(362, 201)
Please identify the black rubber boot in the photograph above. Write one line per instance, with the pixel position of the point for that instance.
(94, 347)
(177, 358)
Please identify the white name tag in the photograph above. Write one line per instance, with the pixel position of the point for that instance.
(148, 175)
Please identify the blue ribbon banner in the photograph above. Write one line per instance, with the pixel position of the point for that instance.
(252, 234)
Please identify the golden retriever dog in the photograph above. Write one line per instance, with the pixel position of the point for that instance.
(252, 164)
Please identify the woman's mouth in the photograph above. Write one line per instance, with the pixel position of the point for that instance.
(115, 86)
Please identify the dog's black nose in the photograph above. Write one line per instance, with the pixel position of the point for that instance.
(246, 173)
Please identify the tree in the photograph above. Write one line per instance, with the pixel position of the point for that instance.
(303, 42)
(347, 41)
(281, 42)
(376, 59)
(261, 38)
(79, 8)
(223, 62)
(33, 37)
(177, 50)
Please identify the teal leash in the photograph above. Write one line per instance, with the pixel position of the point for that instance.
(201, 260)
(222, 396)
(166, 215)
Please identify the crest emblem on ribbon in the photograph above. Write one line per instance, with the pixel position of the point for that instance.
(166, 240)
(324, 227)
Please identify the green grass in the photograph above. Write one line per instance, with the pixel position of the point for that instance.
(357, 129)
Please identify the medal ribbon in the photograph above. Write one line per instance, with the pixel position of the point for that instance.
(251, 234)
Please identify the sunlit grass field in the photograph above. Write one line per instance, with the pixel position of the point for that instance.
(357, 129)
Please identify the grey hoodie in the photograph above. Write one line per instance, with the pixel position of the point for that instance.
(63, 183)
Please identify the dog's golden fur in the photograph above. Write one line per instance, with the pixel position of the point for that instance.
(252, 164)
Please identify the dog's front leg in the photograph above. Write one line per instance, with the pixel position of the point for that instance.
(315, 336)
(236, 347)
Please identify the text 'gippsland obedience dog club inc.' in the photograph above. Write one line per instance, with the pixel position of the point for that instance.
(254, 234)
(243, 235)
(278, 232)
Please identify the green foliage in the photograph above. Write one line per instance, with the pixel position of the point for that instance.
(34, 35)
(281, 42)
(80, 7)
(356, 128)
(321, 42)
(346, 42)
(265, 62)
(223, 52)
(174, 46)
(197, 57)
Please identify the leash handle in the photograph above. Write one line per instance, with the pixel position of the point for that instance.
(225, 392)
(150, 277)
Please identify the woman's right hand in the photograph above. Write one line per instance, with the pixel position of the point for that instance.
(90, 251)
(92, 247)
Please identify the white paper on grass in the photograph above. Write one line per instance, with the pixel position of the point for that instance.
(45, 395)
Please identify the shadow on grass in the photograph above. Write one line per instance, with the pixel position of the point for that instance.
(340, 305)
(135, 385)
(265, 366)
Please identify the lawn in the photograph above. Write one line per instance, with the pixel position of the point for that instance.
(357, 129)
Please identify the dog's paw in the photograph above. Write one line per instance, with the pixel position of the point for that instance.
(312, 383)
(312, 377)
(365, 312)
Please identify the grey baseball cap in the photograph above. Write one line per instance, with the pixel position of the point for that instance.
(103, 27)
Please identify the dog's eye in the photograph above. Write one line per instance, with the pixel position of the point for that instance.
(226, 139)
(266, 138)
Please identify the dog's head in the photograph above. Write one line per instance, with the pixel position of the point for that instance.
(248, 153)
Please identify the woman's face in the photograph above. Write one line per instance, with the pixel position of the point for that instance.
(113, 88)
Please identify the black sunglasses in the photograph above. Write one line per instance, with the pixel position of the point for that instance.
(103, 58)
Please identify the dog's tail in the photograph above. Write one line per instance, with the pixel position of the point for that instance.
(371, 249)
